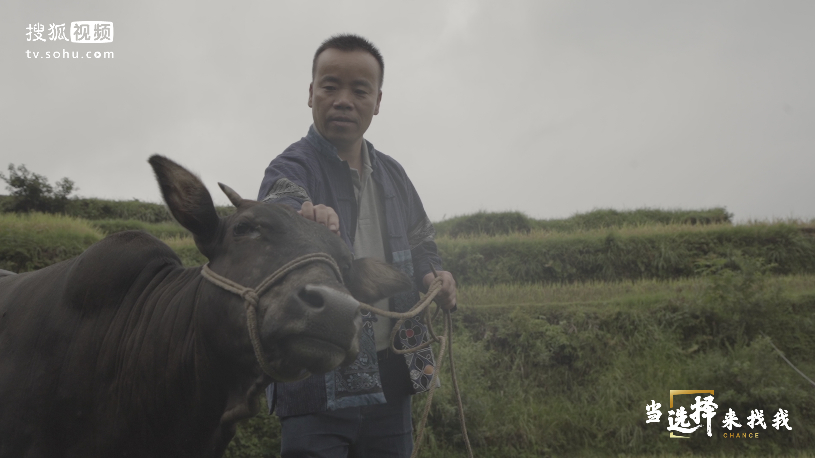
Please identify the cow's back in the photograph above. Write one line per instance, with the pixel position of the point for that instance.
(52, 323)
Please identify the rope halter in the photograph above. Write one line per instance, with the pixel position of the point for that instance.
(251, 297)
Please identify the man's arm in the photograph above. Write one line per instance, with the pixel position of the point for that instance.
(425, 253)
(286, 182)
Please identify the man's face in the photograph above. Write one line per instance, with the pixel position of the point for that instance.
(344, 95)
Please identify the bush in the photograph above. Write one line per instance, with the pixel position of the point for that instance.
(100, 209)
(257, 437)
(628, 254)
(147, 212)
(31, 192)
(483, 223)
(609, 218)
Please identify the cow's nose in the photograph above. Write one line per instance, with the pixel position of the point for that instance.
(317, 296)
(312, 296)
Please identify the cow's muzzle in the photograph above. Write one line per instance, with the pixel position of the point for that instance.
(314, 296)
(332, 322)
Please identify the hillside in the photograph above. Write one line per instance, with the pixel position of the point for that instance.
(567, 329)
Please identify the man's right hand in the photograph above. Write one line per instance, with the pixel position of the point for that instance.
(321, 214)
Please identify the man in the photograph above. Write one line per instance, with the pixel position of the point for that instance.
(336, 178)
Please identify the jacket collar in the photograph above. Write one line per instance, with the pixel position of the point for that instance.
(330, 151)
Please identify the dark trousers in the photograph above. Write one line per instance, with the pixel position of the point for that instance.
(383, 430)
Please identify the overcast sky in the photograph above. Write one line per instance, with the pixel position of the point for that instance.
(546, 107)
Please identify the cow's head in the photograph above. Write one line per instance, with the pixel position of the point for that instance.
(309, 320)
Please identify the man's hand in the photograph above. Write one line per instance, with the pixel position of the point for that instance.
(321, 214)
(446, 299)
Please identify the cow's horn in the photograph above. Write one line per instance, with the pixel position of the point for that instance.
(234, 197)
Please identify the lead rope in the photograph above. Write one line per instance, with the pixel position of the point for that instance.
(445, 341)
(251, 296)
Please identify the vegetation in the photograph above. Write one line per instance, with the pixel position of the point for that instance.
(566, 331)
(626, 254)
(32, 192)
(567, 370)
(36, 240)
(160, 229)
(488, 224)
(491, 224)
(131, 210)
(33, 241)
(629, 253)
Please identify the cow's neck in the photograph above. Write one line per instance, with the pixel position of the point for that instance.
(229, 349)
(187, 335)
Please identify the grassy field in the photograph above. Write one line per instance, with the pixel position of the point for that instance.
(490, 224)
(567, 371)
(625, 253)
(30, 242)
(564, 335)
(579, 367)
(654, 251)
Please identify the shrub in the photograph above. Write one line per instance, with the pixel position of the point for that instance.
(659, 252)
(32, 192)
(148, 212)
(483, 223)
(502, 223)
(609, 218)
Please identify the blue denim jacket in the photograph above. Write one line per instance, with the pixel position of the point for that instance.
(310, 169)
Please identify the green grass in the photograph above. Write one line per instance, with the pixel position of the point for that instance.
(161, 230)
(500, 223)
(573, 380)
(568, 372)
(562, 338)
(102, 209)
(631, 253)
(148, 212)
(609, 218)
(644, 292)
(33, 241)
(186, 250)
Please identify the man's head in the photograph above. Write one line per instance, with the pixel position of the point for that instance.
(349, 42)
(345, 91)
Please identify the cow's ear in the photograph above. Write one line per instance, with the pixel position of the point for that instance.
(188, 199)
(370, 280)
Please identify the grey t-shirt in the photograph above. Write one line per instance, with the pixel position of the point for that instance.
(368, 241)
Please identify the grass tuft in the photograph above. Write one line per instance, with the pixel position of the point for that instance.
(33, 241)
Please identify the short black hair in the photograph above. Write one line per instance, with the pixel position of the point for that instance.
(350, 42)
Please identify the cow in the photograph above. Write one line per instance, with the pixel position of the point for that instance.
(123, 352)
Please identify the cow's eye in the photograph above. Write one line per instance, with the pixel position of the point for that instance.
(242, 229)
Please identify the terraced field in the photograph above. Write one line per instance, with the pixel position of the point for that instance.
(565, 332)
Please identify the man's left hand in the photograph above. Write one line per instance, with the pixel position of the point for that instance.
(446, 299)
